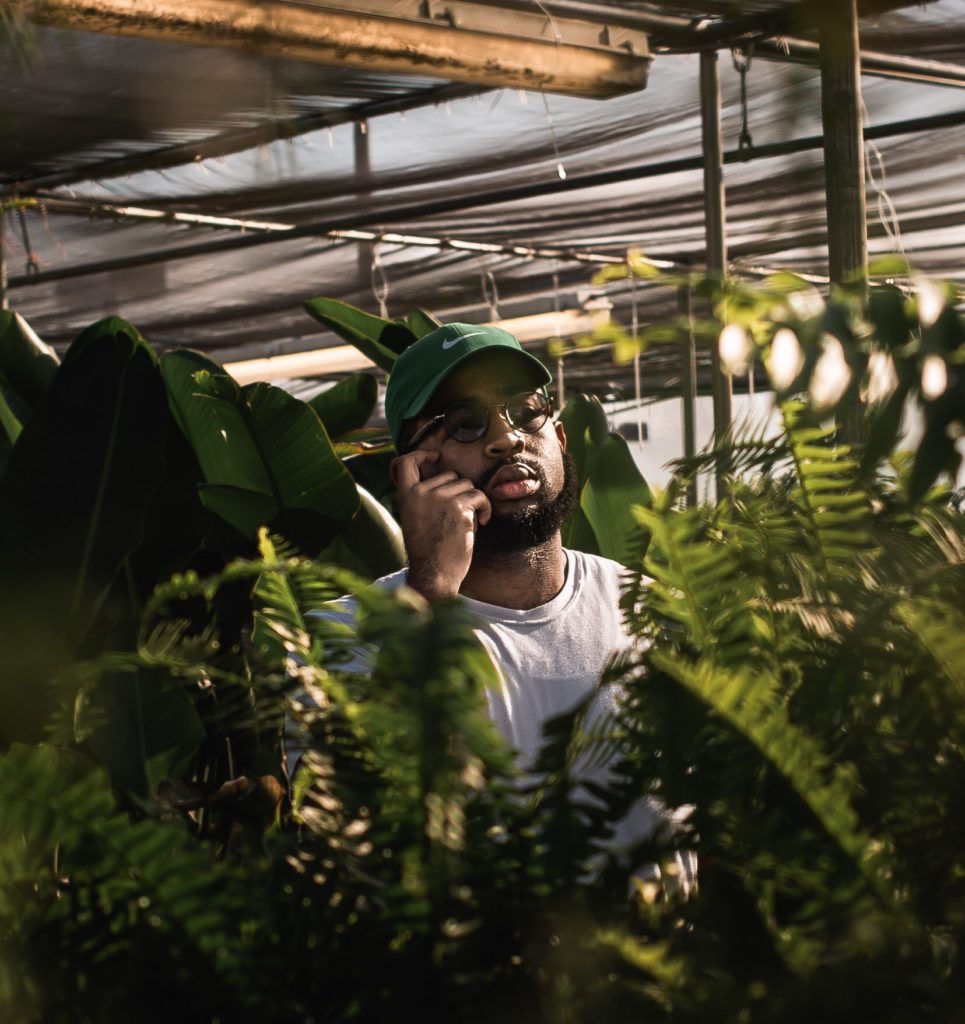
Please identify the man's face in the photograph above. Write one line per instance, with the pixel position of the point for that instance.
(528, 478)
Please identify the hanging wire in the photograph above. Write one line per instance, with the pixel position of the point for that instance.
(490, 292)
(887, 213)
(741, 57)
(380, 283)
(560, 169)
(551, 21)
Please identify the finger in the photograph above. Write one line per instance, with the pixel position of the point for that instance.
(404, 470)
(458, 485)
(475, 499)
(440, 480)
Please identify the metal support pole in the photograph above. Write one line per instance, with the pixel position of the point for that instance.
(363, 167)
(688, 382)
(715, 228)
(4, 297)
(844, 170)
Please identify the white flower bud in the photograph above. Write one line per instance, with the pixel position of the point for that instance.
(931, 301)
(934, 377)
(831, 374)
(735, 348)
(786, 359)
(882, 378)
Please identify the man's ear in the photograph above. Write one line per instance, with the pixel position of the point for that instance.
(560, 434)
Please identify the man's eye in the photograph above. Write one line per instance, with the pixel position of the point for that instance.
(464, 419)
(526, 409)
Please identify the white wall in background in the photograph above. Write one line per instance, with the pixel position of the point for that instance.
(664, 427)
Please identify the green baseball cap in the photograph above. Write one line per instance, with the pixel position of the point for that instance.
(424, 365)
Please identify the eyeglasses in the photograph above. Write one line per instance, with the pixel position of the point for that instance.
(468, 421)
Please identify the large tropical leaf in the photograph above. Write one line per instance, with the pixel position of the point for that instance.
(27, 365)
(139, 725)
(264, 454)
(421, 322)
(585, 424)
(614, 485)
(348, 405)
(372, 546)
(10, 425)
(381, 340)
(72, 502)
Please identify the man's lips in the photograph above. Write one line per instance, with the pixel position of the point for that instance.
(512, 481)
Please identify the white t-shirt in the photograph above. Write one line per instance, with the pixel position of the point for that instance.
(549, 659)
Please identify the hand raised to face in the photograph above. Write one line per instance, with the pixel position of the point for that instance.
(438, 514)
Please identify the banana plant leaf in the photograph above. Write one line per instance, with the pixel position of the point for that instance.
(586, 427)
(372, 546)
(27, 365)
(381, 340)
(73, 497)
(263, 453)
(421, 322)
(139, 726)
(348, 405)
(578, 534)
(9, 423)
(613, 487)
(366, 442)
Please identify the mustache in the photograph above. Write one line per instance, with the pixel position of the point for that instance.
(484, 478)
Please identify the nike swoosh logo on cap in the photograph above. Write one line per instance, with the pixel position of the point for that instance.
(455, 341)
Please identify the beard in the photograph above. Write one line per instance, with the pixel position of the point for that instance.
(508, 533)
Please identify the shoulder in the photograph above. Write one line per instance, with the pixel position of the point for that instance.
(343, 609)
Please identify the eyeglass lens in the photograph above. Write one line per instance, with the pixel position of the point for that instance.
(468, 421)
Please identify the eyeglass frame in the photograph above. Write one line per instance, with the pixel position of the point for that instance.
(502, 406)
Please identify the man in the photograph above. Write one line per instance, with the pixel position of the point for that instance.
(484, 484)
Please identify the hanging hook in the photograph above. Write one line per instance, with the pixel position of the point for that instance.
(741, 56)
(32, 267)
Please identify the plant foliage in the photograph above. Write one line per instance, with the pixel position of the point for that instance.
(794, 702)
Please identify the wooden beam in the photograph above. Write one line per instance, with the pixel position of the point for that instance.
(716, 231)
(498, 49)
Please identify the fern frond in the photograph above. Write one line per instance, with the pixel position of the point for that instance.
(57, 801)
(694, 582)
(832, 505)
(748, 702)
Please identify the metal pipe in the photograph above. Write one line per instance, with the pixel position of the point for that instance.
(716, 236)
(365, 251)
(882, 65)
(254, 237)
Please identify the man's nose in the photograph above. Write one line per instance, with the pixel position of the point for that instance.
(501, 437)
